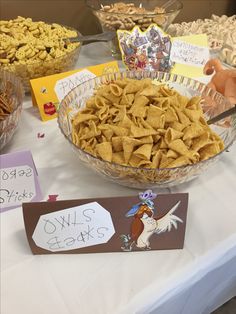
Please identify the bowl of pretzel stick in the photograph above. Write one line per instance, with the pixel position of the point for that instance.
(33, 49)
(146, 129)
(11, 100)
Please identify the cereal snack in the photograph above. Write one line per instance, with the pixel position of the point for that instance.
(117, 21)
(35, 49)
(137, 123)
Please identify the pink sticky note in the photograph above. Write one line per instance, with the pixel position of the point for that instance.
(19, 180)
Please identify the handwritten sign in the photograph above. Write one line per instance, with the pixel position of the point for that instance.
(48, 91)
(65, 85)
(18, 185)
(74, 228)
(186, 53)
(19, 182)
(109, 224)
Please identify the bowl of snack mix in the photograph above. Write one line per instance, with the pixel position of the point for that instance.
(145, 129)
(11, 99)
(124, 15)
(34, 49)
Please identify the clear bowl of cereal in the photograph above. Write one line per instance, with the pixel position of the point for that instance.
(124, 15)
(35, 49)
(153, 141)
(11, 100)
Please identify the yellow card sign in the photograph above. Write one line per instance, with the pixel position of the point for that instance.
(189, 54)
(48, 91)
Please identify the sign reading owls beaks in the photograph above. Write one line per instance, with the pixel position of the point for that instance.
(145, 222)
(148, 50)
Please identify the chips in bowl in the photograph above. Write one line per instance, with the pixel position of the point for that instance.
(143, 129)
(136, 123)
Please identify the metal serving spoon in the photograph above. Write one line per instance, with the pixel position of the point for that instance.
(222, 115)
(106, 36)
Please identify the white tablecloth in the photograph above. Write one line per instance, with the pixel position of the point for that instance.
(194, 280)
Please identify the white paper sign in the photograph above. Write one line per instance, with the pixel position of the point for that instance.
(189, 54)
(17, 186)
(74, 228)
(65, 85)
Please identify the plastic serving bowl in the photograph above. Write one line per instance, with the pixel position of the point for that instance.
(143, 178)
(112, 21)
(16, 93)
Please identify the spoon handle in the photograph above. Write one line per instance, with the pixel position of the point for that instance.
(106, 36)
(222, 115)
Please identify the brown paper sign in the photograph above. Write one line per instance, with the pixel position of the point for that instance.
(117, 224)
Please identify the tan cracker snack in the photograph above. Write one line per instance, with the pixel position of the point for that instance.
(139, 124)
(34, 49)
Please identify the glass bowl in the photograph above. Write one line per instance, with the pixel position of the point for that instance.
(28, 69)
(143, 178)
(142, 14)
(12, 86)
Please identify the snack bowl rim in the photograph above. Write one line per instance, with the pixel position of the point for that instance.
(126, 167)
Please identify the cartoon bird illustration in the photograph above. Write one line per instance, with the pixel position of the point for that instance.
(144, 225)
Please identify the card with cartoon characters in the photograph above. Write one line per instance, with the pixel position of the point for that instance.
(149, 50)
(145, 222)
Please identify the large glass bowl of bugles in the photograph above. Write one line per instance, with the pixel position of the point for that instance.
(143, 178)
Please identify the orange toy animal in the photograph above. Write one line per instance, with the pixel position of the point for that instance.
(223, 81)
